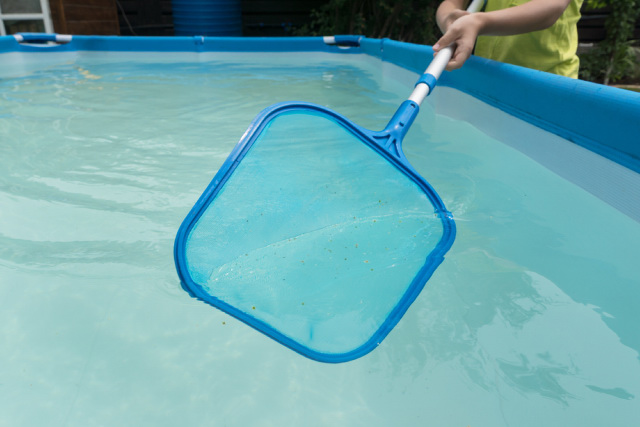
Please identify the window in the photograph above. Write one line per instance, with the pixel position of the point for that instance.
(24, 16)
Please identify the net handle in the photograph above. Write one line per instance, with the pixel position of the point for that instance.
(428, 80)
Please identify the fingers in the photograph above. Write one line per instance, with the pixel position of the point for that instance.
(460, 56)
(461, 52)
(443, 42)
(461, 35)
(455, 33)
(453, 16)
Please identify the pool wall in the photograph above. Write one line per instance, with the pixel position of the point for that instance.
(602, 119)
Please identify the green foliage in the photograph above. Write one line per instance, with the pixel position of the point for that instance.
(404, 20)
(612, 59)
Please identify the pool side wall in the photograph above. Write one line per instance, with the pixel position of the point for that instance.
(600, 118)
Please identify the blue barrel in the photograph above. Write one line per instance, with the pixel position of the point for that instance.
(207, 17)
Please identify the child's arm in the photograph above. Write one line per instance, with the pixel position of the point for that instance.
(462, 28)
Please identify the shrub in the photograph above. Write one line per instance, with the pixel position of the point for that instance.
(612, 59)
(411, 21)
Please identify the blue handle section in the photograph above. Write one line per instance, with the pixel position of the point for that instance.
(429, 80)
(402, 119)
(391, 137)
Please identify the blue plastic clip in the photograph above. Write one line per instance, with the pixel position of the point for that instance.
(429, 80)
(348, 40)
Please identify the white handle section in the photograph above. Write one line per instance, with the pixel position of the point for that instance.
(475, 6)
(420, 92)
(439, 62)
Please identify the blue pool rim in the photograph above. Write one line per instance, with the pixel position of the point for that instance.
(432, 261)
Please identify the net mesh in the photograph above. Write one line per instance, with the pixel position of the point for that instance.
(314, 234)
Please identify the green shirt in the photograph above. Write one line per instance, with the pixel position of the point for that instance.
(552, 50)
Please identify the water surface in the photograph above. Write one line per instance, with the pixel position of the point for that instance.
(529, 321)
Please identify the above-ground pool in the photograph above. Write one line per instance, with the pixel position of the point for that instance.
(106, 143)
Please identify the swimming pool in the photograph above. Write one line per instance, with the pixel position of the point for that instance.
(530, 320)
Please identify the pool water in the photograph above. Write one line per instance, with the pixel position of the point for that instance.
(530, 320)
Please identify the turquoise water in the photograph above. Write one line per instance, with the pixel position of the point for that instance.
(530, 320)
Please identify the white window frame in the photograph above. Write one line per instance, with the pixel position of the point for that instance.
(44, 16)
